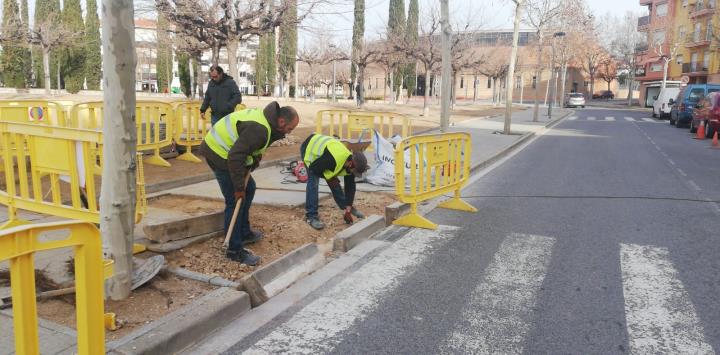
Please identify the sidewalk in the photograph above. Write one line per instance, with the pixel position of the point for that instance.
(487, 145)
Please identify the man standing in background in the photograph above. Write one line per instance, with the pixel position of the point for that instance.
(222, 95)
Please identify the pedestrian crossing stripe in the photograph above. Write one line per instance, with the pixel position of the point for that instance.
(648, 119)
(613, 119)
(573, 118)
(630, 119)
(609, 118)
(591, 118)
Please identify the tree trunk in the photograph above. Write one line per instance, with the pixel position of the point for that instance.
(665, 71)
(453, 92)
(295, 93)
(538, 77)
(361, 79)
(232, 48)
(385, 86)
(46, 69)
(446, 34)
(592, 85)
(117, 198)
(630, 85)
(215, 55)
(426, 97)
(191, 67)
(511, 68)
(561, 97)
(475, 87)
(392, 88)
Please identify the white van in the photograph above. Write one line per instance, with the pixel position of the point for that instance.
(661, 107)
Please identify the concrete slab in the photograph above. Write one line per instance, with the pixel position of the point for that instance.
(54, 339)
(284, 195)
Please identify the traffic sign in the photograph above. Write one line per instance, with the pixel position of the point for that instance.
(685, 79)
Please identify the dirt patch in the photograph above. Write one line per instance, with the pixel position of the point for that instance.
(285, 230)
(164, 294)
(188, 205)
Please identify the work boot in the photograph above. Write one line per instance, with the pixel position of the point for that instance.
(316, 223)
(243, 256)
(253, 237)
(357, 213)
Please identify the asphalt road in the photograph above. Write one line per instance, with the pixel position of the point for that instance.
(595, 239)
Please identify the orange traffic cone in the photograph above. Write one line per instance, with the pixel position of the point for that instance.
(715, 143)
(700, 131)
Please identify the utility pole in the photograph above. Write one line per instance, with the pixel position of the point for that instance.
(446, 75)
(511, 70)
(117, 198)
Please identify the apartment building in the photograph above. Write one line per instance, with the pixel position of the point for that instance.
(697, 58)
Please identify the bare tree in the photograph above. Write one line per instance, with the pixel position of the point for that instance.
(667, 52)
(314, 57)
(368, 53)
(592, 56)
(608, 70)
(539, 15)
(495, 68)
(626, 39)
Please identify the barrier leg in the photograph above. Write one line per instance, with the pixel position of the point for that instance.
(457, 204)
(413, 219)
(22, 278)
(156, 159)
(189, 156)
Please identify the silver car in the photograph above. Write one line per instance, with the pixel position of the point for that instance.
(575, 100)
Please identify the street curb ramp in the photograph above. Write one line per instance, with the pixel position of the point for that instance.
(180, 329)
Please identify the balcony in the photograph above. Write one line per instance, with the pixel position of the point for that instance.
(695, 68)
(702, 9)
(697, 40)
(646, 2)
(643, 23)
(641, 49)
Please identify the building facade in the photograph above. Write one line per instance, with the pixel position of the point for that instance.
(657, 25)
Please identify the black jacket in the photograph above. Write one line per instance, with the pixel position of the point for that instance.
(222, 96)
(251, 137)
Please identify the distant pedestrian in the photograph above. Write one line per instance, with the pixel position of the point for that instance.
(222, 95)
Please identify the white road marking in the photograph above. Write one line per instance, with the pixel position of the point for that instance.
(681, 172)
(498, 316)
(648, 119)
(573, 118)
(660, 317)
(314, 329)
(630, 119)
(591, 118)
(671, 161)
(609, 118)
(694, 185)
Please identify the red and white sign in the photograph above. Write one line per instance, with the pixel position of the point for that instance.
(685, 79)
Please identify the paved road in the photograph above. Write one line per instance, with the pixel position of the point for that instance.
(592, 240)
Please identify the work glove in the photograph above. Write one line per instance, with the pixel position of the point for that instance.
(334, 183)
(348, 217)
(239, 195)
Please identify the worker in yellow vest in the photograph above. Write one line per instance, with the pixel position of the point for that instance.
(328, 157)
(234, 147)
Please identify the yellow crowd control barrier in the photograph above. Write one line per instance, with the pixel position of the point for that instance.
(153, 120)
(351, 124)
(33, 111)
(54, 155)
(437, 164)
(190, 129)
(19, 245)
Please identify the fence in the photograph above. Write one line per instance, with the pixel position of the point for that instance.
(33, 111)
(37, 158)
(19, 244)
(190, 129)
(435, 165)
(351, 124)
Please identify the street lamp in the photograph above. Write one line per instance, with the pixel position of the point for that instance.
(552, 72)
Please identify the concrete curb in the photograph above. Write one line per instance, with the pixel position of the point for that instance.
(179, 244)
(272, 278)
(180, 329)
(186, 227)
(395, 211)
(348, 238)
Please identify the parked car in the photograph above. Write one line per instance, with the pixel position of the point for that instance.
(662, 107)
(707, 112)
(605, 94)
(574, 100)
(688, 97)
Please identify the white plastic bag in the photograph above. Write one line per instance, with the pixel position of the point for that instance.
(383, 172)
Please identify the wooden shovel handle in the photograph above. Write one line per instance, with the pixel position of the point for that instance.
(226, 243)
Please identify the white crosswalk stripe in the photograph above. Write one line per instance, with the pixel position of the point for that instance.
(573, 118)
(313, 329)
(660, 317)
(630, 119)
(591, 118)
(609, 118)
(648, 120)
(497, 318)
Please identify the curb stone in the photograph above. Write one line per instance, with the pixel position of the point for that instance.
(348, 238)
(180, 329)
(272, 278)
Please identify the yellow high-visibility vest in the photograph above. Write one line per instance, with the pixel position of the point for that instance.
(223, 133)
(315, 148)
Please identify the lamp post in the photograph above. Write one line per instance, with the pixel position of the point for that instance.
(552, 73)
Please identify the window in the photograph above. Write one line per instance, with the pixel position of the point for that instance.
(462, 82)
(693, 62)
(534, 82)
(489, 83)
(518, 82)
(658, 37)
(711, 4)
(709, 31)
(681, 33)
(680, 59)
(661, 10)
(696, 94)
(656, 67)
(706, 61)
(586, 84)
(684, 3)
(696, 34)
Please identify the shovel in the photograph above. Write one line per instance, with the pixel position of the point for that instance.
(226, 243)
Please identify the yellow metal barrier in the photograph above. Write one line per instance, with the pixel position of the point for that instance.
(33, 111)
(55, 154)
(154, 121)
(190, 129)
(350, 124)
(19, 244)
(437, 164)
